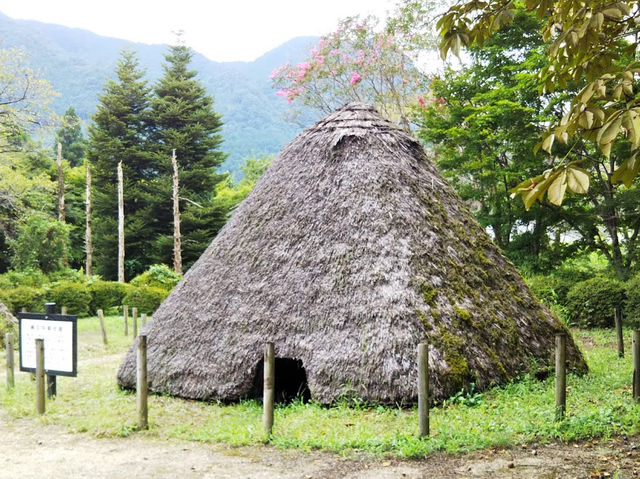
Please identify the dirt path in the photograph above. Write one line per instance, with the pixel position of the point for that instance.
(30, 450)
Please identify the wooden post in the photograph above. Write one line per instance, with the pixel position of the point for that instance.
(423, 389)
(636, 365)
(143, 319)
(268, 392)
(617, 315)
(63, 310)
(24, 309)
(125, 314)
(40, 376)
(102, 326)
(8, 342)
(88, 240)
(561, 376)
(120, 225)
(50, 308)
(142, 384)
(134, 321)
(177, 238)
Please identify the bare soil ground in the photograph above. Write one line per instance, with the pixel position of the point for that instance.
(29, 449)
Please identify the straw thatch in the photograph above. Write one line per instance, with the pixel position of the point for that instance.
(8, 323)
(350, 250)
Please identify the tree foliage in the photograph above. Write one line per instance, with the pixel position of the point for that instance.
(591, 43)
(70, 136)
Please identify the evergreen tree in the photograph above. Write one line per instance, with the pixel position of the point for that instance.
(184, 120)
(71, 138)
(120, 132)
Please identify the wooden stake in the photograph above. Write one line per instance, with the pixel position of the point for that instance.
(142, 386)
(177, 238)
(423, 389)
(120, 225)
(143, 319)
(636, 365)
(63, 310)
(617, 315)
(88, 240)
(268, 392)
(102, 326)
(561, 376)
(40, 376)
(134, 321)
(125, 314)
(8, 342)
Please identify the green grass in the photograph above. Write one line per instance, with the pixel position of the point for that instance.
(599, 405)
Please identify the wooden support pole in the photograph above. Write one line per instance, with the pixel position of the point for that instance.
(561, 376)
(143, 319)
(63, 310)
(268, 392)
(125, 314)
(423, 389)
(23, 310)
(8, 342)
(40, 376)
(636, 365)
(617, 316)
(102, 326)
(134, 321)
(142, 386)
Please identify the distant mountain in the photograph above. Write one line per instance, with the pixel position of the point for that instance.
(77, 63)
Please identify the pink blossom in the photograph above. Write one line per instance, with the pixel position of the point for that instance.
(355, 78)
(422, 102)
(335, 51)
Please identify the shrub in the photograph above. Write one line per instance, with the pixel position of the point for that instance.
(145, 299)
(591, 303)
(157, 276)
(25, 297)
(33, 278)
(107, 294)
(632, 305)
(68, 274)
(75, 296)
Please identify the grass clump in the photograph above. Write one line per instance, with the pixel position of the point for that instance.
(599, 406)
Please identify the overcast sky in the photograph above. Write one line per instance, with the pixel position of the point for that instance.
(222, 30)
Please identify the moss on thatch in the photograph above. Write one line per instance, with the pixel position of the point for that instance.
(350, 250)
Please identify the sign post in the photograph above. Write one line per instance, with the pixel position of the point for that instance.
(60, 336)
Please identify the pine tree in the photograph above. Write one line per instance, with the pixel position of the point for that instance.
(184, 120)
(71, 138)
(120, 132)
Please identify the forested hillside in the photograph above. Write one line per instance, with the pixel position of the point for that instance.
(77, 63)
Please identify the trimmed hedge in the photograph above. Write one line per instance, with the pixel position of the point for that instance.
(157, 276)
(25, 297)
(591, 303)
(75, 296)
(146, 300)
(106, 295)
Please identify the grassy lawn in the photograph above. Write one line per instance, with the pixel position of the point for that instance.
(599, 405)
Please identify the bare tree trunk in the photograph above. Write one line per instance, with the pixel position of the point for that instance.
(88, 243)
(120, 225)
(177, 238)
(61, 216)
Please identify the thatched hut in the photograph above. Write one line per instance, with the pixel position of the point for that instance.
(350, 250)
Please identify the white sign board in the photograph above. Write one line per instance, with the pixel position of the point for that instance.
(60, 342)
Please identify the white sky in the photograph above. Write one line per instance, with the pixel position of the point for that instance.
(222, 30)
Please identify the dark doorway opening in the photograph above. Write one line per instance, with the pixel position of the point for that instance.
(291, 381)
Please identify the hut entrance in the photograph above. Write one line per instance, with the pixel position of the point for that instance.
(291, 381)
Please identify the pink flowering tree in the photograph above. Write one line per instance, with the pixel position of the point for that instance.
(357, 62)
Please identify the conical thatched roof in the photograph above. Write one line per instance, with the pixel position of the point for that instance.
(350, 250)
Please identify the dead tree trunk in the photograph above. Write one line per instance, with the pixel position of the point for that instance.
(61, 215)
(88, 243)
(177, 239)
(120, 225)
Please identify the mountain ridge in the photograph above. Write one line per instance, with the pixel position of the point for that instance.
(78, 62)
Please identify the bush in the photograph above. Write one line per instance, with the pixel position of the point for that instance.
(591, 303)
(33, 278)
(68, 274)
(145, 299)
(157, 276)
(25, 297)
(75, 296)
(632, 305)
(107, 294)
